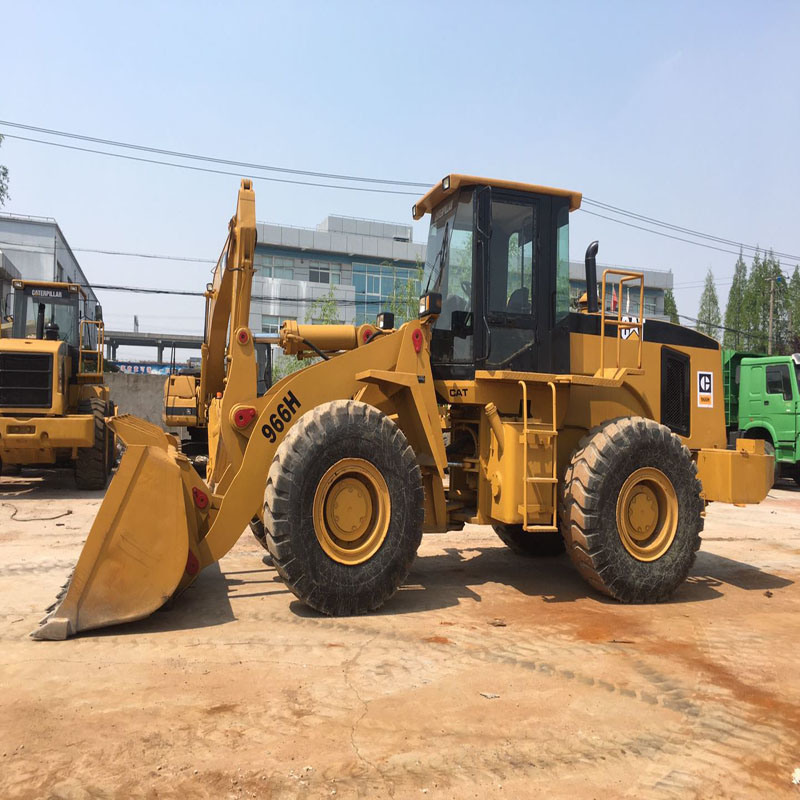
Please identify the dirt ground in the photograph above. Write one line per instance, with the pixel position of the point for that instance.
(488, 675)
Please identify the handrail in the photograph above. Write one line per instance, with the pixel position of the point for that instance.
(625, 276)
(98, 352)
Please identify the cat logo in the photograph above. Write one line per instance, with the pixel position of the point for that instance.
(705, 389)
(456, 392)
(629, 333)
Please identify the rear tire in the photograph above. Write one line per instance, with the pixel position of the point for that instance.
(632, 511)
(343, 508)
(532, 545)
(93, 465)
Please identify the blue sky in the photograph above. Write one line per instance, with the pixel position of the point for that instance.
(682, 111)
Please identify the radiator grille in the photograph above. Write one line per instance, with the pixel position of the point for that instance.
(26, 380)
(675, 409)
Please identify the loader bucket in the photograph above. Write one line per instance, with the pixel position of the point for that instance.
(136, 551)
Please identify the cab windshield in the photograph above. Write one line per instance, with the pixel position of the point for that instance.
(60, 318)
(448, 270)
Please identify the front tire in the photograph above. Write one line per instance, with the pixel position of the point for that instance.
(632, 511)
(343, 508)
(93, 465)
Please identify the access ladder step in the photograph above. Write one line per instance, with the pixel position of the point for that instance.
(545, 436)
(534, 509)
(540, 528)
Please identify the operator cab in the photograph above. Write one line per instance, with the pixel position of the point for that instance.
(47, 311)
(498, 254)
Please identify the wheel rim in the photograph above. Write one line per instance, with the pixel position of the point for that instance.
(647, 514)
(351, 511)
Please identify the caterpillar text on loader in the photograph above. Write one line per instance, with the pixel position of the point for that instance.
(604, 431)
(53, 401)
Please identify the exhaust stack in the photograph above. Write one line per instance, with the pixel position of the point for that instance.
(591, 277)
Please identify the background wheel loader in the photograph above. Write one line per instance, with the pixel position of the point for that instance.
(581, 425)
(53, 401)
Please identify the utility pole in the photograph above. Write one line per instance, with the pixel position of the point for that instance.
(772, 281)
(771, 310)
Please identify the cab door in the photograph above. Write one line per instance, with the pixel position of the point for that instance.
(779, 403)
(516, 250)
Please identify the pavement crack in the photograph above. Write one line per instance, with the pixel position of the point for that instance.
(346, 667)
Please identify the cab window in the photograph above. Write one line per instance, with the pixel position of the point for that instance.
(778, 381)
(511, 258)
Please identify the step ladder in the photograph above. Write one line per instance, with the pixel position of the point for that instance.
(544, 439)
(90, 359)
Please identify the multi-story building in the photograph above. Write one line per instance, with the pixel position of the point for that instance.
(365, 265)
(8, 272)
(362, 264)
(36, 250)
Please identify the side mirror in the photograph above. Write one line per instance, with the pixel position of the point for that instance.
(461, 324)
(98, 313)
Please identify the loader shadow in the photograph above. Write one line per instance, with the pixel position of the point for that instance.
(457, 575)
(206, 603)
(44, 484)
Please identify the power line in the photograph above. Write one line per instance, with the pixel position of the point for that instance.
(354, 178)
(254, 298)
(212, 159)
(749, 334)
(207, 169)
(680, 229)
(670, 236)
(44, 249)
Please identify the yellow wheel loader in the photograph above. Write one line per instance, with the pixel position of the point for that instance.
(600, 429)
(53, 401)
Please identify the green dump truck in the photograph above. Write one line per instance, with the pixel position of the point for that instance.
(762, 401)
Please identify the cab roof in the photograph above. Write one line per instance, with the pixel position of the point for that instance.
(21, 283)
(450, 184)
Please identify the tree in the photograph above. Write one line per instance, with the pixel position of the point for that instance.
(734, 310)
(404, 300)
(793, 298)
(3, 181)
(324, 310)
(778, 287)
(671, 307)
(755, 306)
(708, 315)
(766, 279)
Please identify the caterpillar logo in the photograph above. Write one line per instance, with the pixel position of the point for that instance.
(705, 389)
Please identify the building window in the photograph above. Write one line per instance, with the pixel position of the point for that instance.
(283, 268)
(324, 272)
(384, 287)
(274, 266)
(272, 324)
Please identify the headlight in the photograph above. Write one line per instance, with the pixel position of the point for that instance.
(385, 321)
(430, 303)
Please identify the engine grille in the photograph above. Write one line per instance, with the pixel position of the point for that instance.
(675, 408)
(26, 380)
